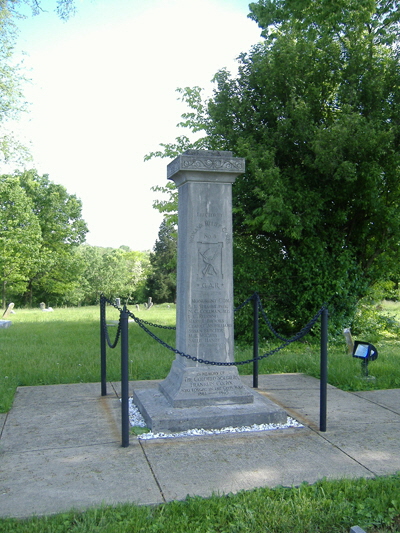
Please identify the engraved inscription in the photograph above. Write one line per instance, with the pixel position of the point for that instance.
(207, 320)
(212, 383)
(212, 228)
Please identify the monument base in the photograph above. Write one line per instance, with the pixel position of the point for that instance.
(161, 417)
(189, 386)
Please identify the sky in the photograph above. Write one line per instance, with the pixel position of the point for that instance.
(103, 95)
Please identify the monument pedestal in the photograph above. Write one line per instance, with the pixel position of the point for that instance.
(161, 417)
(204, 390)
(204, 385)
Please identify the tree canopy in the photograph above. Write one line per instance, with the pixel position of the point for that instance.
(43, 214)
(20, 236)
(161, 283)
(314, 109)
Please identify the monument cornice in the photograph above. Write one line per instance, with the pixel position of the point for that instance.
(206, 161)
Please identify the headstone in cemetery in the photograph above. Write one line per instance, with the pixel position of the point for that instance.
(349, 340)
(195, 394)
(43, 307)
(9, 311)
(149, 302)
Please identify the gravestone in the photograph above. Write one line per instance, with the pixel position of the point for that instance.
(195, 394)
(9, 311)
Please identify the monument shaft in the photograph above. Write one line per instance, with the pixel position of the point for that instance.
(195, 394)
(204, 281)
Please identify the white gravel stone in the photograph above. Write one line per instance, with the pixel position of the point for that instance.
(136, 420)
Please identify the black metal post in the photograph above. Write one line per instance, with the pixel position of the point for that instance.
(364, 367)
(323, 370)
(124, 378)
(103, 353)
(255, 341)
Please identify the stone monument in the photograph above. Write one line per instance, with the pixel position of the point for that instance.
(195, 394)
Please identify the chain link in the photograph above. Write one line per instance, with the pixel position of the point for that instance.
(249, 299)
(157, 325)
(104, 325)
(142, 324)
(300, 334)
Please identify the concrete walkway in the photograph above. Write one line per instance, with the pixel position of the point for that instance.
(60, 448)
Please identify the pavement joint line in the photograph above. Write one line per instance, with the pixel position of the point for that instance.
(376, 403)
(323, 436)
(152, 472)
(4, 424)
(114, 389)
(292, 412)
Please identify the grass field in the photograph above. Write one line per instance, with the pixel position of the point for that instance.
(43, 348)
(63, 347)
(325, 507)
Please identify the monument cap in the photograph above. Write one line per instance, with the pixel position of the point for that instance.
(206, 161)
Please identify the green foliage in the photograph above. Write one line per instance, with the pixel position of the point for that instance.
(44, 348)
(52, 267)
(372, 318)
(11, 81)
(63, 347)
(161, 284)
(314, 109)
(20, 236)
(116, 273)
(327, 505)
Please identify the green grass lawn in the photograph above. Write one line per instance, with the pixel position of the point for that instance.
(43, 348)
(326, 507)
(64, 347)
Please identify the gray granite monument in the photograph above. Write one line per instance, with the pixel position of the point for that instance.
(195, 394)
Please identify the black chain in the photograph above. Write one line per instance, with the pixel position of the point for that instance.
(158, 325)
(249, 299)
(112, 345)
(142, 324)
(300, 334)
(297, 337)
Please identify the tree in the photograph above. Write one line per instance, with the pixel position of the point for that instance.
(11, 81)
(20, 236)
(63, 230)
(116, 273)
(65, 9)
(162, 282)
(12, 75)
(314, 109)
(139, 268)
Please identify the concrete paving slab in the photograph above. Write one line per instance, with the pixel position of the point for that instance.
(229, 463)
(53, 481)
(57, 393)
(386, 398)
(48, 424)
(375, 446)
(342, 407)
(290, 381)
(61, 448)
